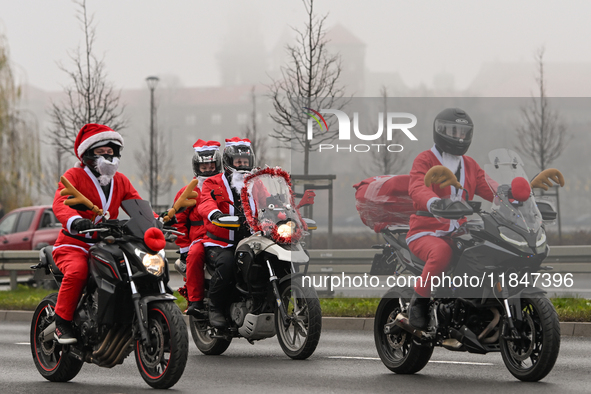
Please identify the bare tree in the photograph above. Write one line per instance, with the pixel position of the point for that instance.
(258, 141)
(19, 141)
(309, 80)
(385, 162)
(542, 136)
(90, 98)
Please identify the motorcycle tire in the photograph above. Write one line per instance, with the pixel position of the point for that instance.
(161, 364)
(299, 337)
(51, 359)
(202, 336)
(532, 357)
(397, 350)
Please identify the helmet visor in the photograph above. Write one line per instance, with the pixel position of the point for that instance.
(454, 130)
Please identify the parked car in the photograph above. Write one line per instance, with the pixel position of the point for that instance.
(29, 228)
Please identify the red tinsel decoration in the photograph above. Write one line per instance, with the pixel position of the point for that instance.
(268, 227)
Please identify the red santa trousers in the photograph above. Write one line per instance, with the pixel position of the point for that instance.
(73, 263)
(436, 253)
(195, 274)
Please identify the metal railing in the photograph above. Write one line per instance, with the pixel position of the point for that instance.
(573, 259)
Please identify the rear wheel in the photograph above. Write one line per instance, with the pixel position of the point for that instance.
(532, 357)
(203, 336)
(162, 362)
(299, 335)
(397, 350)
(52, 360)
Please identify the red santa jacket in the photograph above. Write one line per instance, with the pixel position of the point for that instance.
(472, 179)
(87, 184)
(189, 222)
(217, 236)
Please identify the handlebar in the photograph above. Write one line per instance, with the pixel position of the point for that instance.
(453, 210)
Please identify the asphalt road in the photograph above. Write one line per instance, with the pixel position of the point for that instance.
(344, 362)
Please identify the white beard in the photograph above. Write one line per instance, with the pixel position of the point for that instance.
(451, 161)
(107, 169)
(200, 180)
(237, 182)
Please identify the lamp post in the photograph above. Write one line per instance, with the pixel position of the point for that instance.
(152, 82)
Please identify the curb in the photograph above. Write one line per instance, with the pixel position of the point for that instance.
(567, 329)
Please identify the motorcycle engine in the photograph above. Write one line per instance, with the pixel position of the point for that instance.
(89, 327)
(238, 311)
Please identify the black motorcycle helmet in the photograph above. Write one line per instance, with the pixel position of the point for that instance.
(232, 152)
(207, 156)
(452, 131)
(89, 158)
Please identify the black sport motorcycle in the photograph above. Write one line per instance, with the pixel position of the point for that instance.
(499, 311)
(126, 306)
(268, 297)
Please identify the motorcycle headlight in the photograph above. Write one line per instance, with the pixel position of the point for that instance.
(154, 263)
(541, 241)
(514, 239)
(285, 230)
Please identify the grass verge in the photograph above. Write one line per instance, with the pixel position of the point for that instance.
(569, 309)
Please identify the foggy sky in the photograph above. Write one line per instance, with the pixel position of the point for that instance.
(183, 37)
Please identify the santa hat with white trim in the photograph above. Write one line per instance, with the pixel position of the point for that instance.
(201, 145)
(237, 141)
(92, 134)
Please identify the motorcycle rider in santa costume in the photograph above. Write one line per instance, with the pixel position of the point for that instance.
(98, 147)
(221, 197)
(207, 162)
(428, 236)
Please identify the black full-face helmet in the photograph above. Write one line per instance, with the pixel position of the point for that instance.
(452, 131)
(238, 151)
(207, 156)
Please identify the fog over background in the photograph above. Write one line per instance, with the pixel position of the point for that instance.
(209, 54)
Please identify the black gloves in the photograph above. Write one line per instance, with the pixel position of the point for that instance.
(81, 224)
(216, 215)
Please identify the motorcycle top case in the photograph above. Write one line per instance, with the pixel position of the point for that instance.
(384, 201)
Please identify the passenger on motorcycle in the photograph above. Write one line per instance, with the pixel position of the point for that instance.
(207, 162)
(98, 148)
(428, 236)
(221, 197)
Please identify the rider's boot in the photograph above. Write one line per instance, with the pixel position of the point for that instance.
(196, 309)
(64, 333)
(216, 297)
(418, 312)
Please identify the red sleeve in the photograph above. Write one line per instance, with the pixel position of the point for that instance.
(207, 205)
(63, 212)
(130, 192)
(183, 241)
(417, 190)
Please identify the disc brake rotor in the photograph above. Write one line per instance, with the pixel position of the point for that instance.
(396, 341)
(151, 355)
(515, 348)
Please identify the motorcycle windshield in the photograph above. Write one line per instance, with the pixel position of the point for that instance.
(141, 217)
(505, 166)
(272, 208)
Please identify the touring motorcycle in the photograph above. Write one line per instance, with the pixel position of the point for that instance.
(126, 305)
(269, 297)
(505, 312)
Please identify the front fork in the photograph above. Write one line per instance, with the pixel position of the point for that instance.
(274, 283)
(135, 297)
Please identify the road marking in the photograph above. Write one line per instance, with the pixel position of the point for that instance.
(23, 343)
(431, 361)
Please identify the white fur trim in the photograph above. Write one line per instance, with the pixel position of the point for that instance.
(184, 250)
(206, 147)
(69, 223)
(105, 135)
(234, 143)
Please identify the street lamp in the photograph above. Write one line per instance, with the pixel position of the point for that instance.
(152, 81)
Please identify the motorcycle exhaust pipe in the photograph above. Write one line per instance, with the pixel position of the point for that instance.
(101, 350)
(120, 354)
(47, 334)
(402, 322)
(98, 358)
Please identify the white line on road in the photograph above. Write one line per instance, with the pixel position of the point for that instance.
(432, 361)
(23, 343)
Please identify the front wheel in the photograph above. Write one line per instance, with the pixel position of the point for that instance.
(51, 359)
(299, 335)
(162, 362)
(206, 338)
(397, 350)
(532, 357)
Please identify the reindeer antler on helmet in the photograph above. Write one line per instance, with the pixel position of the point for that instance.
(542, 180)
(186, 199)
(79, 198)
(443, 176)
